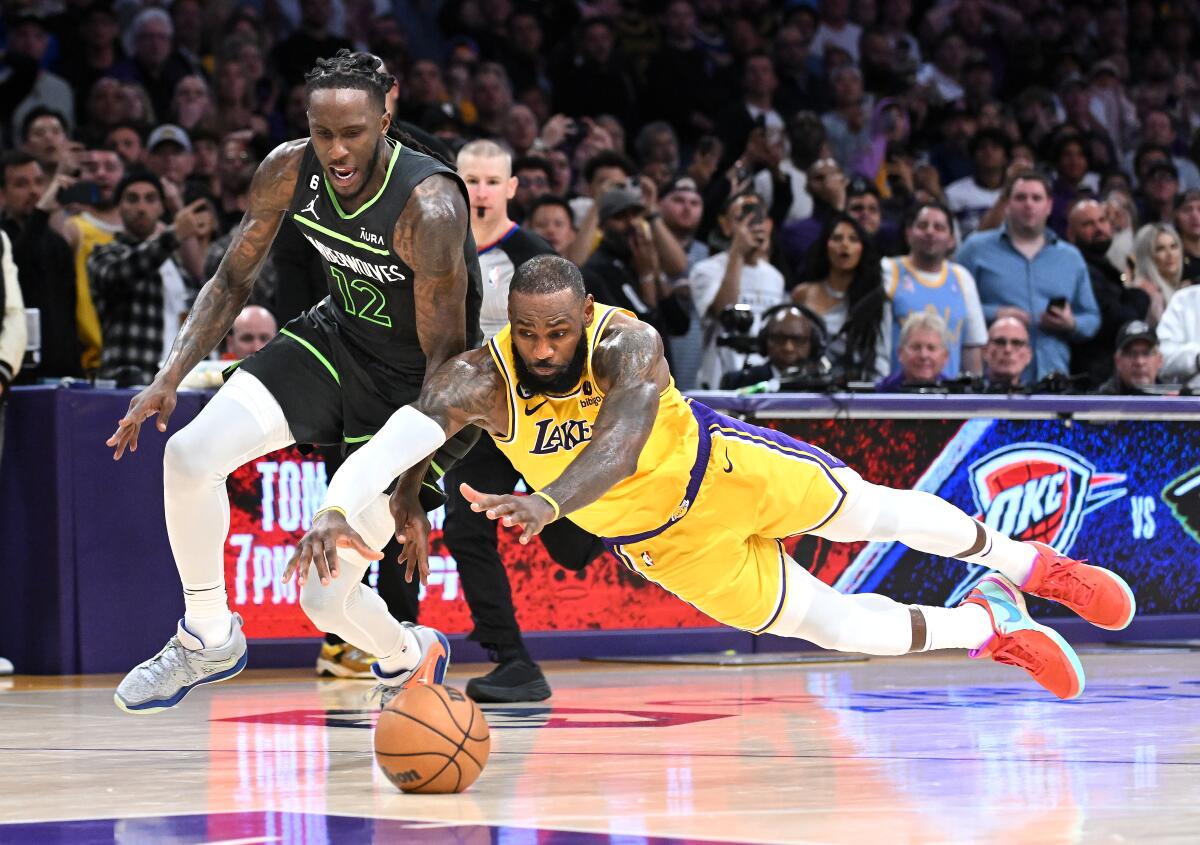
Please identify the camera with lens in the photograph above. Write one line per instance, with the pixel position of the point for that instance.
(736, 322)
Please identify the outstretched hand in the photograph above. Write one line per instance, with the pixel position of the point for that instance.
(319, 546)
(531, 513)
(158, 398)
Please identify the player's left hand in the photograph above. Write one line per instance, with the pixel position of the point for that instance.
(412, 529)
(531, 513)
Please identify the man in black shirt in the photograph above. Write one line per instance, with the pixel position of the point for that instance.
(1089, 230)
(471, 537)
(45, 265)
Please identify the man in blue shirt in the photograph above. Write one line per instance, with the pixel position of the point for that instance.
(1024, 270)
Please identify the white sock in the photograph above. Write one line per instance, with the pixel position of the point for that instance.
(404, 657)
(240, 423)
(966, 626)
(1012, 559)
(206, 612)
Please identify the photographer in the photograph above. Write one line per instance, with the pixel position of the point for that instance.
(792, 341)
(741, 274)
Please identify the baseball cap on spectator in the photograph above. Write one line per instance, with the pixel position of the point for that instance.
(136, 176)
(168, 132)
(1161, 167)
(1184, 197)
(1135, 330)
(681, 183)
(618, 200)
(1073, 80)
(1103, 67)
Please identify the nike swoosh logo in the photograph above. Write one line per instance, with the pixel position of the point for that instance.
(1014, 615)
(728, 462)
(529, 412)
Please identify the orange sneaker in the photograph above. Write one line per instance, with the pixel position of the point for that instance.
(1021, 642)
(1098, 595)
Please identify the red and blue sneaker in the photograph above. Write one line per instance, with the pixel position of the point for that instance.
(1019, 641)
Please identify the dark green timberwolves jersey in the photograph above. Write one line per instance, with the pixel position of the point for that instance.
(370, 287)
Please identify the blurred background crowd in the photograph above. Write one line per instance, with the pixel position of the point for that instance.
(799, 194)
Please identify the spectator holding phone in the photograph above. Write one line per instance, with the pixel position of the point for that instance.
(1024, 270)
(740, 275)
(141, 292)
(80, 202)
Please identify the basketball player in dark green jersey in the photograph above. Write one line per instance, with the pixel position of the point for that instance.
(392, 229)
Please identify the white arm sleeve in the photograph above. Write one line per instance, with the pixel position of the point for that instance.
(405, 439)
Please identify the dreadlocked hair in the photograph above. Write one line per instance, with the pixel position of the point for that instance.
(396, 133)
(363, 71)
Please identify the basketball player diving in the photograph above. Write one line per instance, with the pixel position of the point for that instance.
(579, 397)
(391, 226)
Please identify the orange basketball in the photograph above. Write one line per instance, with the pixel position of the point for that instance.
(432, 739)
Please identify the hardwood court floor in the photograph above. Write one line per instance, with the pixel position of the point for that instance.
(925, 749)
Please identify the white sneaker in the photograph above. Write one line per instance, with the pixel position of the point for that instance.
(6, 667)
(183, 664)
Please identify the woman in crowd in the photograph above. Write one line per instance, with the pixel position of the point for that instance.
(847, 294)
(1157, 266)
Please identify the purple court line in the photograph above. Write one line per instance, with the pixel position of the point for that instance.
(716, 755)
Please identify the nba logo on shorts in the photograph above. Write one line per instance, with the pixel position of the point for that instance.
(1037, 491)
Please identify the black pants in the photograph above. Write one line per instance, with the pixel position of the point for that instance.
(471, 538)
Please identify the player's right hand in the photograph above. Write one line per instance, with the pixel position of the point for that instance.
(319, 548)
(412, 529)
(159, 398)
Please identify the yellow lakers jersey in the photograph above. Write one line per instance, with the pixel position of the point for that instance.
(546, 432)
(91, 235)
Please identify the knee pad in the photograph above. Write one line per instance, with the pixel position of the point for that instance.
(186, 459)
(325, 606)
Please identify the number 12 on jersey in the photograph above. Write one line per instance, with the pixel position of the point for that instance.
(355, 291)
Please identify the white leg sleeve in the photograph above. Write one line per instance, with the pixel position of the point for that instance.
(871, 623)
(242, 422)
(923, 522)
(351, 609)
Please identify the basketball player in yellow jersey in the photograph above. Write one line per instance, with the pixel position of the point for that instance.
(579, 397)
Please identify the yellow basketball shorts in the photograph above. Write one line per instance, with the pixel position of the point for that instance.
(721, 550)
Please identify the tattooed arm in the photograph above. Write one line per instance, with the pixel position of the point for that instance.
(467, 389)
(221, 300)
(429, 236)
(629, 365)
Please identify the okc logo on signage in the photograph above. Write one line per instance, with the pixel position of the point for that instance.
(1038, 491)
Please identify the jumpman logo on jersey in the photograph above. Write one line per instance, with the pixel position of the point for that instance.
(311, 208)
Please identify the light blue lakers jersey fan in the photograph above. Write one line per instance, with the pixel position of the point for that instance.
(912, 291)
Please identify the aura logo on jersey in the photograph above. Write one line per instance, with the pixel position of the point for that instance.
(1039, 491)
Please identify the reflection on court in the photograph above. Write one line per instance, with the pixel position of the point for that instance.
(926, 749)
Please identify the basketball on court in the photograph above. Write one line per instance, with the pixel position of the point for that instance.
(432, 739)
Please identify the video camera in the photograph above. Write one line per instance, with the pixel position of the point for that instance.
(736, 322)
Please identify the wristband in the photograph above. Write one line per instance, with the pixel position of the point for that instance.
(328, 508)
(553, 504)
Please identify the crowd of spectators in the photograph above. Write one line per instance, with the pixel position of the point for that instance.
(957, 194)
